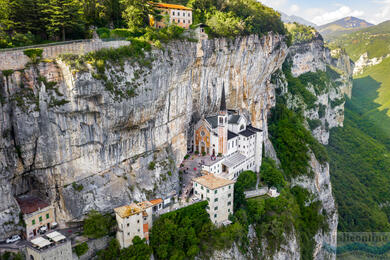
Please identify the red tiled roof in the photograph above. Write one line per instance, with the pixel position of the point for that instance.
(29, 204)
(156, 201)
(171, 6)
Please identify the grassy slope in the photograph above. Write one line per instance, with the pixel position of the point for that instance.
(381, 73)
(360, 162)
(374, 40)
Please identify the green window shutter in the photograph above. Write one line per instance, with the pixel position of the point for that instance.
(40, 218)
(33, 221)
(47, 216)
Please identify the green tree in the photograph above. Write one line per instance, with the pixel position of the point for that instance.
(62, 15)
(270, 174)
(136, 13)
(102, 12)
(139, 250)
(111, 252)
(97, 225)
(225, 24)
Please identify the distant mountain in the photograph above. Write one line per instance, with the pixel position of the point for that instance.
(342, 26)
(375, 40)
(295, 19)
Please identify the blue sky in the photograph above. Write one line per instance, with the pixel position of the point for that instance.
(325, 11)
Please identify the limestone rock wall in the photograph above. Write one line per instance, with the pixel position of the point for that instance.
(312, 57)
(95, 152)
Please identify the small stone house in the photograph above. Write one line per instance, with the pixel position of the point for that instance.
(135, 220)
(36, 214)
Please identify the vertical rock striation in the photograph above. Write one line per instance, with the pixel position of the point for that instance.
(97, 152)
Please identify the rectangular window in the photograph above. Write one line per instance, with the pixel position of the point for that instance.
(208, 199)
(179, 21)
(229, 186)
(215, 215)
(229, 203)
(216, 199)
(216, 208)
(201, 187)
(33, 222)
(47, 216)
(215, 192)
(229, 195)
(173, 13)
(40, 218)
(228, 210)
(128, 224)
(208, 190)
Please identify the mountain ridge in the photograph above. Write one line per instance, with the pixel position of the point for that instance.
(344, 25)
(293, 18)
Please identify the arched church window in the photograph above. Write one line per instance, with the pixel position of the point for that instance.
(202, 133)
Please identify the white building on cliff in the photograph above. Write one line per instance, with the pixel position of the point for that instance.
(230, 140)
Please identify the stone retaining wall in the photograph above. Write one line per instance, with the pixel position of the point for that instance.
(16, 60)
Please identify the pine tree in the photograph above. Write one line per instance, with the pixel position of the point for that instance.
(27, 16)
(62, 15)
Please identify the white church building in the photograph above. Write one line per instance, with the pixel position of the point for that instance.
(231, 142)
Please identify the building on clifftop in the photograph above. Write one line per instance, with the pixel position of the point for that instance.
(179, 15)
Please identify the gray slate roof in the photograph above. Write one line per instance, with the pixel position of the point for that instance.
(233, 119)
(247, 133)
(213, 121)
(231, 135)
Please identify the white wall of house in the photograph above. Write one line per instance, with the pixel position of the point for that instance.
(220, 201)
(232, 146)
(128, 228)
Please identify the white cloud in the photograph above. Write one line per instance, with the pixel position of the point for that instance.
(276, 4)
(384, 11)
(331, 16)
(294, 9)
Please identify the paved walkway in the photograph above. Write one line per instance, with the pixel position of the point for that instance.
(191, 168)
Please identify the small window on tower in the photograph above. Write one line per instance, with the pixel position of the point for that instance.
(221, 120)
(202, 133)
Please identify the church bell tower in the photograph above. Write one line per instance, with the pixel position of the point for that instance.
(222, 125)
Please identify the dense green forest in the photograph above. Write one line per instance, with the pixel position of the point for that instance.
(360, 162)
(26, 22)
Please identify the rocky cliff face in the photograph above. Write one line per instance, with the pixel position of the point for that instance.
(96, 152)
(314, 57)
